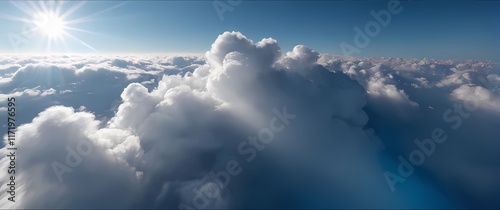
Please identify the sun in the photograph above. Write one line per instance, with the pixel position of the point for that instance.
(53, 24)
(50, 24)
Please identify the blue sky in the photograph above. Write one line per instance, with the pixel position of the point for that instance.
(424, 29)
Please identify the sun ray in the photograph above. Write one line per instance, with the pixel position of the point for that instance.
(63, 41)
(30, 30)
(80, 41)
(43, 6)
(36, 9)
(23, 8)
(49, 44)
(59, 8)
(72, 9)
(82, 30)
(89, 17)
(15, 18)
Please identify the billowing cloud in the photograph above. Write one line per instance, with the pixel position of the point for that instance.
(479, 95)
(249, 126)
(459, 97)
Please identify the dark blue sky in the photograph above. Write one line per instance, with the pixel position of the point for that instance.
(431, 29)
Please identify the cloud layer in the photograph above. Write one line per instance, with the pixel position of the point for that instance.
(248, 126)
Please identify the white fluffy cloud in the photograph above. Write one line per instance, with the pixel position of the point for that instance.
(479, 95)
(151, 130)
(442, 90)
(92, 81)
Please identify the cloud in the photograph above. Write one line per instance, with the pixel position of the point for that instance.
(152, 132)
(43, 81)
(68, 141)
(478, 95)
(191, 125)
(443, 90)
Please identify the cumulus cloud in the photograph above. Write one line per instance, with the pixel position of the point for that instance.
(93, 81)
(479, 95)
(304, 129)
(59, 139)
(460, 97)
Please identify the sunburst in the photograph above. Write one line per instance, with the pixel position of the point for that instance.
(50, 24)
(50, 20)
